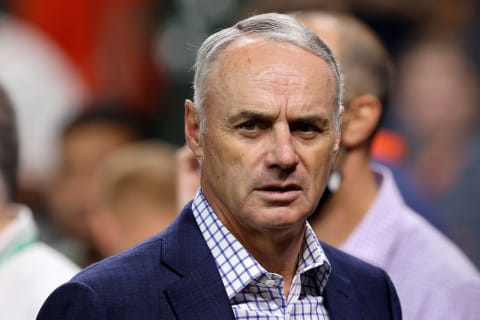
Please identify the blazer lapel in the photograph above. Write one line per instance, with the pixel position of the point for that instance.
(340, 303)
(199, 293)
(341, 298)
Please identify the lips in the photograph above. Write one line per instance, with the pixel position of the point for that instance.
(279, 192)
(280, 188)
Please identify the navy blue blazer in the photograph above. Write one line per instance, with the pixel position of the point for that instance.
(174, 276)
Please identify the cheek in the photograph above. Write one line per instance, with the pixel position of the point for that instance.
(320, 161)
(222, 161)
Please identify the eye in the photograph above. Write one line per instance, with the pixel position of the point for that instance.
(252, 128)
(248, 129)
(303, 127)
(248, 125)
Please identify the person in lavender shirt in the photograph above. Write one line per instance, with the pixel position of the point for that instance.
(264, 125)
(363, 212)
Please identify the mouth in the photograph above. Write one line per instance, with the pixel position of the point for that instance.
(279, 188)
(279, 193)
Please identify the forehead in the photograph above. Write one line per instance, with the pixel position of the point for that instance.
(254, 68)
(254, 52)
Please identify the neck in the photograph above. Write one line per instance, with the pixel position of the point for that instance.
(276, 250)
(345, 209)
(279, 255)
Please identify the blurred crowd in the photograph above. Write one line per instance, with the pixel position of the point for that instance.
(99, 87)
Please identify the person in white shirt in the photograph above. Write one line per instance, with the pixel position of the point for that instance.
(29, 270)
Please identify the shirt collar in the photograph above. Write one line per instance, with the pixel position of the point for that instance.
(237, 266)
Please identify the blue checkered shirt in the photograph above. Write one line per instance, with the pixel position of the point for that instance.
(254, 292)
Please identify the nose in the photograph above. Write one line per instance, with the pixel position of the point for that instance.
(282, 153)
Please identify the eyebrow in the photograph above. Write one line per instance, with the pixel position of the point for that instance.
(317, 120)
(314, 119)
(250, 115)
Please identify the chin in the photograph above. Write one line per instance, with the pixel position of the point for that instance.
(284, 217)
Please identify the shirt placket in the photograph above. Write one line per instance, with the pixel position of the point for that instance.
(293, 296)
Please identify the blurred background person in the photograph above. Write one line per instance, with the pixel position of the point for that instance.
(57, 57)
(363, 213)
(136, 190)
(85, 141)
(44, 87)
(29, 269)
(438, 110)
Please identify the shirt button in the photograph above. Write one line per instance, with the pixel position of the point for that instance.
(270, 282)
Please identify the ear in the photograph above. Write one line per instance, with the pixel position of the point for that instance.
(193, 134)
(361, 118)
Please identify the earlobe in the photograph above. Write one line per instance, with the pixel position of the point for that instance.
(363, 115)
(192, 128)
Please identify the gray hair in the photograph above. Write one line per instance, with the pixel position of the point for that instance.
(271, 26)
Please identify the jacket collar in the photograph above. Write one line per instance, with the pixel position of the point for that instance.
(199, 292)
(340, 295)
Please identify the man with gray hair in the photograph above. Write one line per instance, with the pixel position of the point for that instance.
(29, 269)
(264, 126)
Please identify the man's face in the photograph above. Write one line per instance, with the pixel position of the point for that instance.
(269, 138)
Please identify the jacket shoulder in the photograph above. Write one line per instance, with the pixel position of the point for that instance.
(350, 265)
(124, 286)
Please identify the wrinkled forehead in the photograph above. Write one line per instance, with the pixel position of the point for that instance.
(255, 57)
(271, 73)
